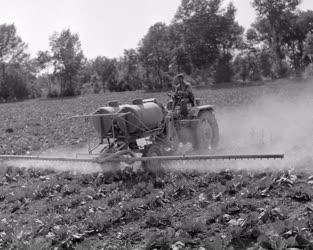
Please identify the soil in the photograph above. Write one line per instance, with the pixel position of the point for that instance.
(210, 205)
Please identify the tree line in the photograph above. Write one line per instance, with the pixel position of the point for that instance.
(204, 41)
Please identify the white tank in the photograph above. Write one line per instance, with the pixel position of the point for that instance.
(145, 116)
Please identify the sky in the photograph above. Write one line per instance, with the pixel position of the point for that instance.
(105, 27)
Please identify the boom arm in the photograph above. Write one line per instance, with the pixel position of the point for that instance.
(117, 158)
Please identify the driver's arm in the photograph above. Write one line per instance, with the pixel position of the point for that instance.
(188, 87)
(190, 94)
(175, 87)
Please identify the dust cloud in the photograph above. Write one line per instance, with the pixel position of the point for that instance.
(271, 124)
(73, 167)
(277, 122)
(78, 151)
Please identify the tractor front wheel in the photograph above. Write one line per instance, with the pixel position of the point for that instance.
(206, 132)
(153, 166)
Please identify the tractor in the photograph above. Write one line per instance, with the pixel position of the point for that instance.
(161, 128)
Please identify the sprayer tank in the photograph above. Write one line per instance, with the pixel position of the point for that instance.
(103, 125)
(141, 117)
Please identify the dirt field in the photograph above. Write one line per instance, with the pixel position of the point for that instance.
(211, 205)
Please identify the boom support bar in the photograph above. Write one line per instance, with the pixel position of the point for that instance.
(44, 158)
(144, 159)
(213, 157)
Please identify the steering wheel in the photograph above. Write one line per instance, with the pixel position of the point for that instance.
(176, 95)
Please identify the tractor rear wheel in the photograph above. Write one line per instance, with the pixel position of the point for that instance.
(151, 151)
(206, 133)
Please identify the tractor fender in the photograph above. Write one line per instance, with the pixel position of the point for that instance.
(194, 112)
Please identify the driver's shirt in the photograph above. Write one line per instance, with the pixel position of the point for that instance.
(187, 90)
(186, 87)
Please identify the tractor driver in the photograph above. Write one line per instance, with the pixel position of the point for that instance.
(183, 95)
(184, 89)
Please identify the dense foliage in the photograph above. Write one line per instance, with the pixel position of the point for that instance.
(43, 209)
(204, 41)
(16, 69)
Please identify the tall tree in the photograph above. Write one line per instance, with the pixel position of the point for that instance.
(155, 54)
(189, 8)
(273, 23)
(105, 68)
(44, 64)
(12, 52)
(130, 70)
(210, 32)
(199, 19)
(308, 46)
(67, 59)
(299, 25)
(43, 59)
(308, 54)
